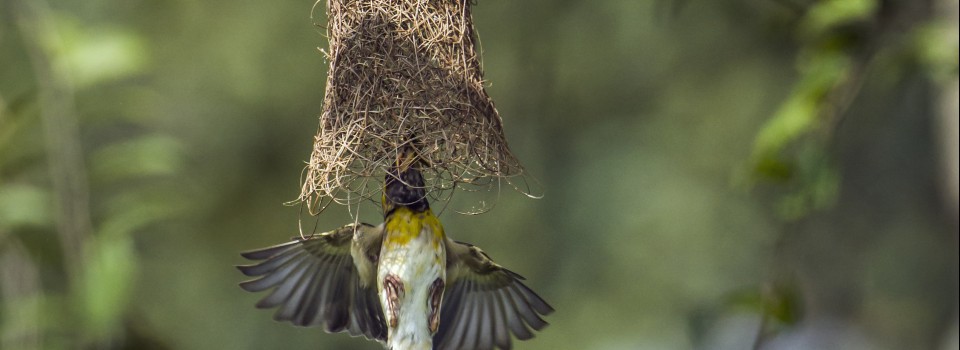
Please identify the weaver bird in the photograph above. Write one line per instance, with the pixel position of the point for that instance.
(403, 282)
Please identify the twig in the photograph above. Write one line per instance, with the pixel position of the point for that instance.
(62, 133)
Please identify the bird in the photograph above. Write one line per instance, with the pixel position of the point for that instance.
(403, 283)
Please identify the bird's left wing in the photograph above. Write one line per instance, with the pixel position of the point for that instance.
(484, 303)
(317, 280)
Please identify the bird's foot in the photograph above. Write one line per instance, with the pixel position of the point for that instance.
(436, 295)
(394, 289)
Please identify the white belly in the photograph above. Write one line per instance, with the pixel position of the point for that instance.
(417, 265)
(418, 260)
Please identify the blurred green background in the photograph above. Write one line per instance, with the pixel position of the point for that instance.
(717, 174)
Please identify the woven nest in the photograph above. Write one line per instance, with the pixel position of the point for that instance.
(404, 73)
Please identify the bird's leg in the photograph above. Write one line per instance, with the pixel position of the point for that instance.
(394, 289)
(436, 295)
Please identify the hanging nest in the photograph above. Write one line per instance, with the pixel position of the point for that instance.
(404, 73)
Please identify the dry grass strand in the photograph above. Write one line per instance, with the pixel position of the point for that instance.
(404, 73)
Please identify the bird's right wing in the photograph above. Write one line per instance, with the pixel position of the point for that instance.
(484, 303)
(316, 281)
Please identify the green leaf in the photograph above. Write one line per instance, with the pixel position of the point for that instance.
(111, 267)
(818, 184)
(136, 209)
(140, 157)
(779, 302)
(95, 54)
(827, 15)
(800, 114)
(936, 46)
(24, 205)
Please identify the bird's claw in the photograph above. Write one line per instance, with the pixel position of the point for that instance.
(436, 295)
(394, 289)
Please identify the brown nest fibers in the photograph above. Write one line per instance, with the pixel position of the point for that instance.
(404, 74)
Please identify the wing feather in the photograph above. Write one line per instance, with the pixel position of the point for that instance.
(527, 313)
(485, 303)
(279, 260)
(501, 335)
(450, 308)
(263, 253)
(472, 323)
(270, 280)
(337, 313)
(284, 287)
(315, 280)
(485, 314)
(311, 304)
(292, 289)
(366, 316)
(517, 326)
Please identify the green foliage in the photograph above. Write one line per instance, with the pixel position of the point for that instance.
(818, 183)
(801, 114)
(779, 303)
(793, 149)
(91, 309)
(195, 119)
(939, 60)
(92, 55)
(111, 268)
(24, 205)
(841, 45)
(146, 156)
(824, 17)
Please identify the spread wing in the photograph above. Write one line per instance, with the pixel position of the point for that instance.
(485, 303)
(323, 279)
